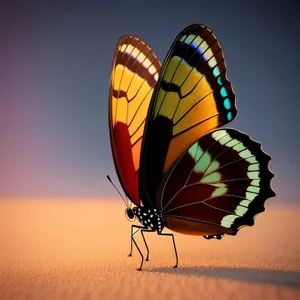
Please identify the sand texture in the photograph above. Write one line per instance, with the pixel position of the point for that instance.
(77, 249)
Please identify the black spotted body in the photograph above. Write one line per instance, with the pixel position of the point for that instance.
(150, 218)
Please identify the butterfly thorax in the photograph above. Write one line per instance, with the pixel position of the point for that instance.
(150, 218)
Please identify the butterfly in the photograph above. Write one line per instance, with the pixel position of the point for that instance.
(179, 168)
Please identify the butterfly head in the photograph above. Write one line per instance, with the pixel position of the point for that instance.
(129, 212)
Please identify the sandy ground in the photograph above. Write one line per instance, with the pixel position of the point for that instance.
(63, 249)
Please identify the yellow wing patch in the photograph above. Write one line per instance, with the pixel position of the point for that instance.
(134, 75)
(193, 91)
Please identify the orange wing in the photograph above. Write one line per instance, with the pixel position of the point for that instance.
(192, 97)
(134, 74)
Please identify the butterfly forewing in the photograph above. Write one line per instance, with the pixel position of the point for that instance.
(134, 74)
(192, 97)
(219, 185)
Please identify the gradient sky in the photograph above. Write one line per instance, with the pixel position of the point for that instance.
(55, 63)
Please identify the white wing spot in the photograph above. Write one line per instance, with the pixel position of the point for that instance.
(245, 153)
(219, 134)
(240, 210)
(225, 139)
(228, 220)
(152, 70)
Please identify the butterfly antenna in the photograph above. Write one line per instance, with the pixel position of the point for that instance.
(130, 203)
(117, 190)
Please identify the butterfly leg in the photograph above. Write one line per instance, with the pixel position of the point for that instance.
(132, 234)
(137, 247)
(142, 232)
(170, 234)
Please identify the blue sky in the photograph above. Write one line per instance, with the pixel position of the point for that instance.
(56, 62)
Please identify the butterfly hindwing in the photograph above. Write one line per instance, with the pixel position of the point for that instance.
(134, 74)
(192, 97)
(218, 185)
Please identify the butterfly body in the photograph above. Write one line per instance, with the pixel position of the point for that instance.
(176, 163)
(151, 218)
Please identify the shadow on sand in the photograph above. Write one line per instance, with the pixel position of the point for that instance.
(277, 277)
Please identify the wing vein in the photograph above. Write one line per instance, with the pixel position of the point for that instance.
(122, 76)
(181, 59)
(192, 69)
(191, 219)
(194, 203)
